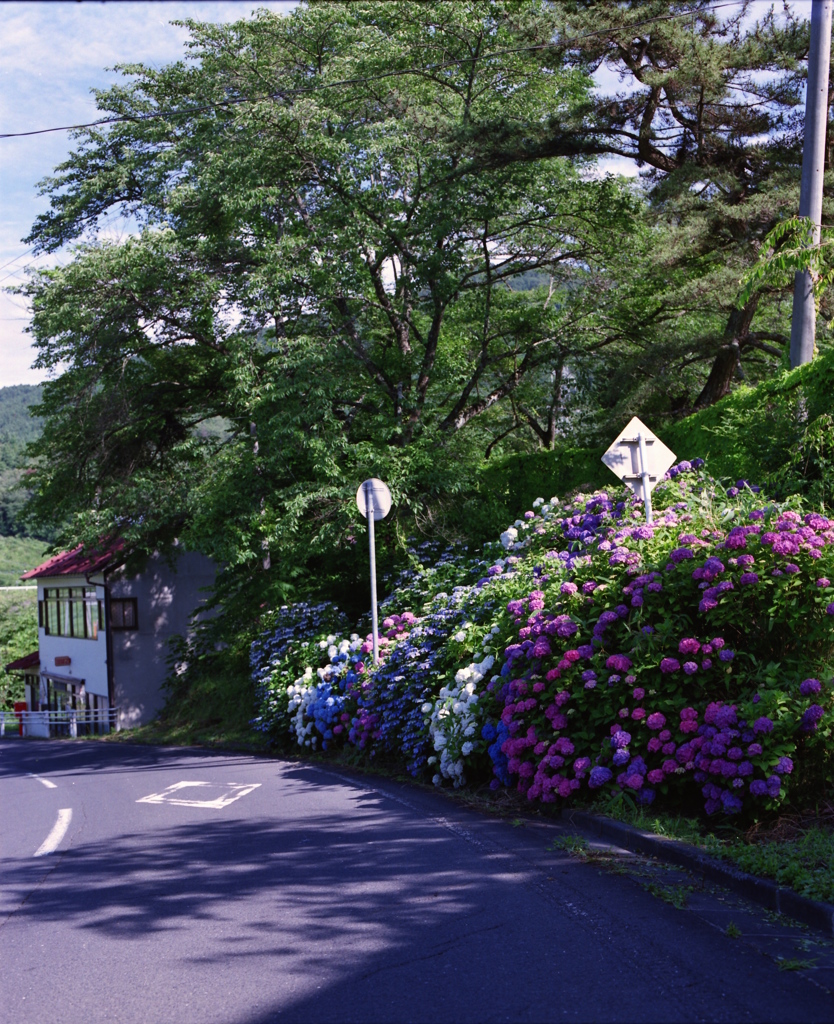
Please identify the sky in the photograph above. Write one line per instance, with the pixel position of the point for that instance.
(52, 54)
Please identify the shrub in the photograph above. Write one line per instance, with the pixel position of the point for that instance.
(592, 653)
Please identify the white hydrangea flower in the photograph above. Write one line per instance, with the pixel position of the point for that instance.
(509, 537)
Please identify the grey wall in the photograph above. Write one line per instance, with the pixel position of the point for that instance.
(165, 600)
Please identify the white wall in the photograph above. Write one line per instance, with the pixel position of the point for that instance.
(88, 658)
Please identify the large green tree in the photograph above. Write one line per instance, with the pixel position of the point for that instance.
(708, 104)
(325, 281)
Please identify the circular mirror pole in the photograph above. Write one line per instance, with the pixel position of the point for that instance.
(369, 504)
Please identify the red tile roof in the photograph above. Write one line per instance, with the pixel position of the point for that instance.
(32, 660)
(77, 562)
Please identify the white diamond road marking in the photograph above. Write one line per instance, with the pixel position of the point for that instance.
(231, 791)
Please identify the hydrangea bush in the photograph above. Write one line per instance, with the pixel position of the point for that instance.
(590, 653)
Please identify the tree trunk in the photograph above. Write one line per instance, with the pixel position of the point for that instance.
(727, 361)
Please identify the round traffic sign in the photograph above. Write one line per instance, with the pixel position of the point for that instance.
(374, 492)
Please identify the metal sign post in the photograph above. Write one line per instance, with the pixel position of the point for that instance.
(369, 501)
(374, 501)
(644, 475)
(639, 459)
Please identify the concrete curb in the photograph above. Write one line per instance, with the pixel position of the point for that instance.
(759, 890)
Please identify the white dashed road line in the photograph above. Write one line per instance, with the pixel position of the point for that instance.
(46, 782)
(59, 830)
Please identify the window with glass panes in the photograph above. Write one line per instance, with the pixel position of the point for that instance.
(70, 611)
(123, 613)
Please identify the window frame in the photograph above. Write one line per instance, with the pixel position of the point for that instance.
(70, 612)
(123, 603)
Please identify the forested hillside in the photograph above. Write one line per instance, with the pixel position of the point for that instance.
(17, 425)
(17, 429)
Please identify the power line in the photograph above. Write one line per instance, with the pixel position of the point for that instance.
(19, 270)
(301, 90)
(20, 257)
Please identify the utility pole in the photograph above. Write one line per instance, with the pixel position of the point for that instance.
(804, 318)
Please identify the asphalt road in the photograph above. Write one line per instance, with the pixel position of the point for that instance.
(195, 887)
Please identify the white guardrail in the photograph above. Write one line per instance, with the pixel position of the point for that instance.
(44, 724)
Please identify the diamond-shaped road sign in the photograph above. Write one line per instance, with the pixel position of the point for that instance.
(623, 458)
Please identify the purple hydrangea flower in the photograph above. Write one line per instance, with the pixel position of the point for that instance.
(618, 662)
(568, 588)
(784, 767)
(736, 538)
(758, 787)
(809, 686)
(620, 739)
(690, 667)
(763, 724)
(599, 776)
(689, 645)
(811, 717)
(748, 578)
(670, 665)
(731, 803)
(680, 554)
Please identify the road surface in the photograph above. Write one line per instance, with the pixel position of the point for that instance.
(159, 885)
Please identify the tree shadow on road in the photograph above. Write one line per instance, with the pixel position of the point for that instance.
(348, 906)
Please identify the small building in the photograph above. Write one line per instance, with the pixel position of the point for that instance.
(103, 633)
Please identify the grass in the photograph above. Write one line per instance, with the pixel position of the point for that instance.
(804, 863)
(795, 850)
(796, 965)
(216, 713)
(17, 554)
